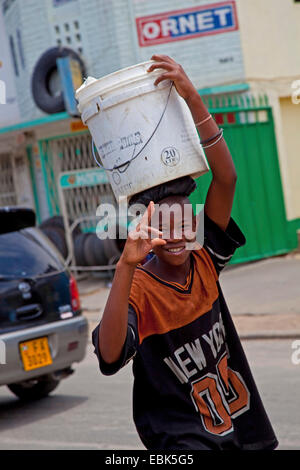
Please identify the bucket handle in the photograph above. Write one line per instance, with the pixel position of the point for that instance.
(133, 157)
(98, 105)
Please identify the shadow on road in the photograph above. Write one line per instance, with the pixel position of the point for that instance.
(15, 413)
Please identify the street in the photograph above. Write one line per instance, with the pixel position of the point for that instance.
(90, 411)
(119, 118)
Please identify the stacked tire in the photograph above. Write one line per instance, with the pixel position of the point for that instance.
(54, 229)
(89, 250)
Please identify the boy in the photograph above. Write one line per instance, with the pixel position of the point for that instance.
(193, 388)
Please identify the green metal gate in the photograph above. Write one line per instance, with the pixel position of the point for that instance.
(258, 205)
(71, 153)
(8, 193)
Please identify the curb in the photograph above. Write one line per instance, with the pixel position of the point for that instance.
(288, 334)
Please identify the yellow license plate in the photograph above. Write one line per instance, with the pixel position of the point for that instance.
(35, 353)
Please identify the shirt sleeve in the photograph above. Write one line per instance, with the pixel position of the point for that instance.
(129, 349)
(220, 244)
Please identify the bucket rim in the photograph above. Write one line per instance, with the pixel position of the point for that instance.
(124, 69)
(84, 93)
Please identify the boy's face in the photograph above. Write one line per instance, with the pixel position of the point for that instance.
(175, 218)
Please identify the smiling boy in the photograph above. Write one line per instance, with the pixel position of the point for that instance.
(193, 388)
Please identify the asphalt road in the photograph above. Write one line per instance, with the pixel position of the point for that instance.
(90, 411)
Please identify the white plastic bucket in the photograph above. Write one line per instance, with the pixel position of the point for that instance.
(148, 128)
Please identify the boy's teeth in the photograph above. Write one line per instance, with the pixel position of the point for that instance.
(174, 250)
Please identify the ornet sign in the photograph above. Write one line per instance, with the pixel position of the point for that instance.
(187, 24)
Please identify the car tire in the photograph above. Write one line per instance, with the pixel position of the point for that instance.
(43, 69)
(34, 389)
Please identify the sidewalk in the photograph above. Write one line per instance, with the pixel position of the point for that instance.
(263, 297)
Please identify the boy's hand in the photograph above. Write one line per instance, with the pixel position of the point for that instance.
(175, 73)
(140, 241)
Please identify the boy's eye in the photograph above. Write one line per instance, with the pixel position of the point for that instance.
(184, 227)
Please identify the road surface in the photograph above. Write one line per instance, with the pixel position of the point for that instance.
(90, 411)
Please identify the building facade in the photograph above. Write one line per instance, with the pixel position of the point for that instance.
(231, 49)
(269, 35)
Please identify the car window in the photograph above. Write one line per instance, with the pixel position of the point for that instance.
(27, 253)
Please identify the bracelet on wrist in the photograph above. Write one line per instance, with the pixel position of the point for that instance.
(207, 141)
(197, 124)
(217, 136)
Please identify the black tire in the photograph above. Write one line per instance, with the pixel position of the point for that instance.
(114, 247)
(57, 236)
(99, 252)
(79, 249)
(42, 72)
(58, 221)
(33, 389)
(94, 251)
(111, 249)
(88, 251)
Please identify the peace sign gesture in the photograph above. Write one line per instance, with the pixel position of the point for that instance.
(141, 240)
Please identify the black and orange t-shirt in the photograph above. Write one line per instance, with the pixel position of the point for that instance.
(193, 388)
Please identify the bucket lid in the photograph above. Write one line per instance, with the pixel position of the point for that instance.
(92, 87)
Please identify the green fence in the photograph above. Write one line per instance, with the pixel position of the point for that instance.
(71, 154)
(258, 205)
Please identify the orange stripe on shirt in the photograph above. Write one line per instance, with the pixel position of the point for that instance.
(161, 308)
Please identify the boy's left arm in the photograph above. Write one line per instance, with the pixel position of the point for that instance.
(220, 194)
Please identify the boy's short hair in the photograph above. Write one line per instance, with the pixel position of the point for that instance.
(183, 186)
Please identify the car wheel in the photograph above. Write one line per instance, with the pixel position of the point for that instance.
(33, 389)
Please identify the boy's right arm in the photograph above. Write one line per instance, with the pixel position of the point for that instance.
(114, 323)
(113, 327)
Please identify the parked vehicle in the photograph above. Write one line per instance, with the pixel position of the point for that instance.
(41, 326)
